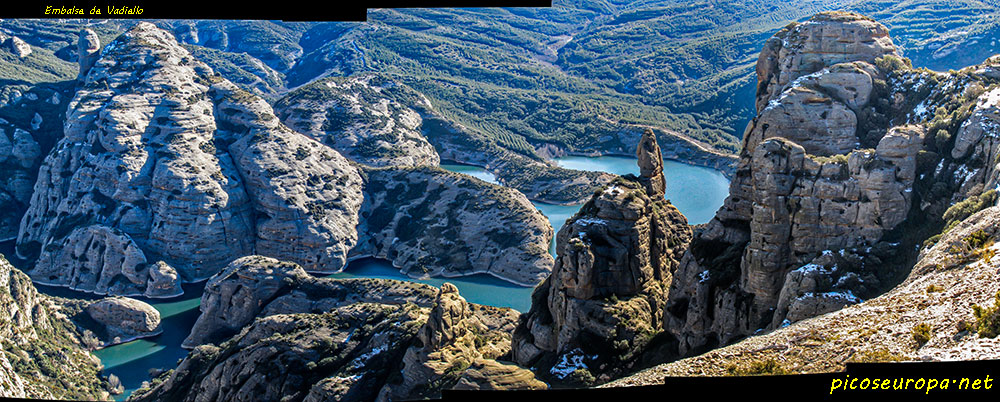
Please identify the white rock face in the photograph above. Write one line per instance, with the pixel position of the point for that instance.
(125, 319)
(163, 161)
(18, 47)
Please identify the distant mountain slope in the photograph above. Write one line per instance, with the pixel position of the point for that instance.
(575, 77)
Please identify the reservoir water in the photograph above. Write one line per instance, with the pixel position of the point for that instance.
(697, 192)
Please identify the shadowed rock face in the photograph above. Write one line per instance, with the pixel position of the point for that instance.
(428, 221)
(804, 185)
(257, 286)
(287, 334)
(168, 172)
(615, 259)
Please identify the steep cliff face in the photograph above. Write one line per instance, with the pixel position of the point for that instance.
(40, 355)
(269, 330)
(362, 118)
(941, 295)
(604, 301)
(30, 123)
(167, 172)
(837, 184)
(431, 222)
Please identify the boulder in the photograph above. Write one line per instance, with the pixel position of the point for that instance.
(125, 319)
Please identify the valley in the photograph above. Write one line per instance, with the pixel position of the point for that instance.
(590, 194)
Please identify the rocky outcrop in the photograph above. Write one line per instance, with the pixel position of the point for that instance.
(88, 51)
(124, 319)
(948, 280)
(30, 122)
(290, 335)
(257, 286)
(163, 161)
(977, 146)
(431, 222)
(827, 39)
(805, 188)
(604, 301)
(454, 349)
(364, 118)
(35, 334)
(343, 354)
(17, 47)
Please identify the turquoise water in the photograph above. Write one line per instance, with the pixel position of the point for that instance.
(474, 171)
(481, 289)
(696, 191)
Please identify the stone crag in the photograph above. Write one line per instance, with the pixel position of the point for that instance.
(836, 185)
(167, 172)
(428, 221)
(805, 185)
(268, 323)
(605, 298)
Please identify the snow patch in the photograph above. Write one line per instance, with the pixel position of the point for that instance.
(568, 363)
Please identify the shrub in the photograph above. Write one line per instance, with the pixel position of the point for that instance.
(988, 319)
(921, 333)
(759, 367)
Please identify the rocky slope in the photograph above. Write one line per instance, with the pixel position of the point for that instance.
(930, 316)
(456, 349)
(428, 221)
(361, 118)
(603, 305)
(40, 354)
(852, 162)
(257, 286)
(269, 330)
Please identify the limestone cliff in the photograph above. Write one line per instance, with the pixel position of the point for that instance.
(940, 295)
(837, 186)
(605, 299)
(31, 119)
(428, 221)
(167, 172)
(361, 118)
(268, 330)
(40, 354)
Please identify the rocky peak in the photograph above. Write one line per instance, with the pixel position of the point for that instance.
(826, 39)
(455, 336)
(650, 165)
(447, 322)
(615, 259)
(806, 187)
(88, 49)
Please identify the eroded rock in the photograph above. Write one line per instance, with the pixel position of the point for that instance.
(605, 297)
